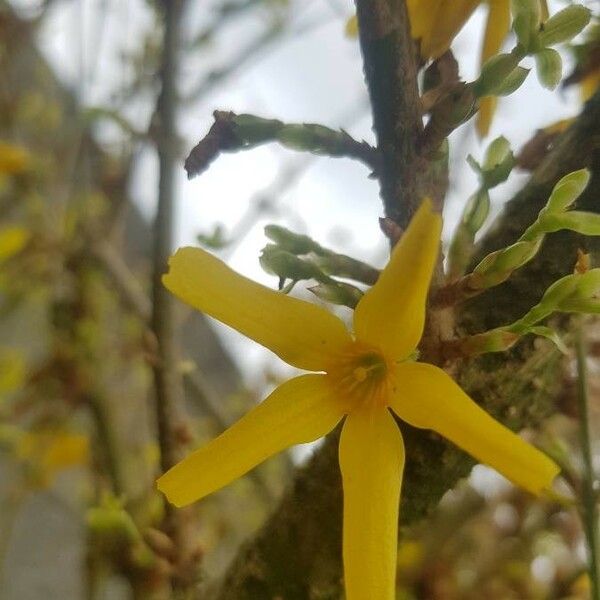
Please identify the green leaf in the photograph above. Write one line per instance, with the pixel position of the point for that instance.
(551, 335)
(585, 223)
(512, 82)
(494, 73)
(565, 25)
(548, 67)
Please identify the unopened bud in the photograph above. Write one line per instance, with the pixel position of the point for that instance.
(497, 266)
(495, 340)
(567, 190)
(337, 292)
(476, 211)
(287, 265)
(494, 73)
(498, 163)
(295, 243)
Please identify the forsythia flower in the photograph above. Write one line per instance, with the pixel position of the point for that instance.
(361, 376)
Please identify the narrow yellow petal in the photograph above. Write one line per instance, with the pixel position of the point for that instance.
(428, 398)
(487, 108)
(449, 19)
(496, 30)
(302, 334)
(422, 15)
(391, 314)
(298, 411)
(372, 461)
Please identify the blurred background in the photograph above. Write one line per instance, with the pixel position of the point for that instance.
(81, 130)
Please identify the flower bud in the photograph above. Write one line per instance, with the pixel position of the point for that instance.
(497, 266)
(287, 265)
(567, 190)
(494, 73)
(295, 243)
(337, 292)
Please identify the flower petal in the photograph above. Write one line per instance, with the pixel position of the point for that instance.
(496, 30)
(391, 314)
(302, 334)
(440, 27)
(372, 461)
(300, 410)
(428, 398)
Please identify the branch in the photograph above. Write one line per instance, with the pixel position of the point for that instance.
(390, 65)
(232, 133)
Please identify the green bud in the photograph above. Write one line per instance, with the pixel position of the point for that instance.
(574, 293)
(287, 265)
(295, 243)
(494, 73)
(495, 340)
(498, 163)
(512, 82)
(497, 152)
(567, 190)
(548, 67)
(497, 266)
(476, 211)
(112, 523)
(337, 292)
(558, 291)
(564, 25)
(582, 222)
(341, 265)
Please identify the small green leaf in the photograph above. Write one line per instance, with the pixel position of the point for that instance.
(551, 335)
(476, 211)
(582, 222)
(494, 73)
(496, 153)
(567, 190)
(512, 82)
(548, 67)
(565, 25)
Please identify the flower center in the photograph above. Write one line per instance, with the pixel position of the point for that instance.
(361, 375)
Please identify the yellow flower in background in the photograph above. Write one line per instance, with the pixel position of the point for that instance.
(13, 159)
(359, 377)
(49, 452)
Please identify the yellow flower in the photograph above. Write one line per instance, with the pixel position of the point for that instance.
(13, 159)
(361, 375)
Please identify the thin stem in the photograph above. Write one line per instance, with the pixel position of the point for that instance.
(168, 388)
(589, 504)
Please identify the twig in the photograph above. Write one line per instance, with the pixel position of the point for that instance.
(231, 133)
(590, 506)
